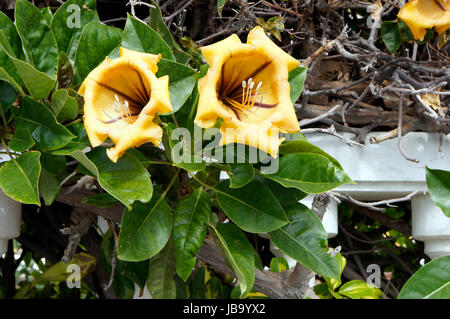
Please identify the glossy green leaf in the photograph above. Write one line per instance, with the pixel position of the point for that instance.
(278, 264)
(309, 172)
(8, 95)
(11, 35)
(305, 240)
(182, 80)
(220, 5)
(333, 283)
(80, 142)
(103, 200)
(189, 230)
(240, 174)
(237, 252)
(37, 39)
(49, 187)
(252, 207)
(127, 180)
(69, 21)
(21, 140)
(303, 146)
(358, 289)
(39, 120)
(96, 42)
(321, 290)
(160, 282)
(404, 30)
(391, 35)
(65, 71)
(438, 182)
(178, 150)
(432, 281)
(19, 178)
(284, 195)
(39, 84)
(296, 80)
(10, 45)
(53, 164)
(145, 230)
(62, 271)
(64, 106)
(47, 15)
(140, 37)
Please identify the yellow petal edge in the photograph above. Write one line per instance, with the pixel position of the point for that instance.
(230, 60)
(121, 99)
(420, 15)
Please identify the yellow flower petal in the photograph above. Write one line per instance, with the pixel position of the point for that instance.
(247, 87)
(420, 15)
(121, 99)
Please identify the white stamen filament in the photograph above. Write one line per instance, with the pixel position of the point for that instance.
(248, 98)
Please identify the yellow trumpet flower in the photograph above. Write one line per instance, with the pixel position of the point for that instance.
(247, 87)
(121, 99)
(420, 15)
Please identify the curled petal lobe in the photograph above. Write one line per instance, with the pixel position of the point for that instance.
(420, 15)
(122, 97)
(247, 87)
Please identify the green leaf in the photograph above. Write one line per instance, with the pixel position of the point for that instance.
(69, 21)
(404, 31)
(145, 230)
(305, 240)
(240, 174)
(252, 207)
(38, 83)
(438, 182)
(49, 186)
(303, 146)
(96, 42)
(278, 264)
(64, 106)
(39, 120)
(296, 80)
(127, 180)
(21, 140)
(80, 142)
(220, 5)
(11, 35)
(178, 150)
(237, 252)
(309, 172)
(103, 200)
(432, 281)
(53, 164)
(189, 230)
(37, 39)
(391, 35)
(156, 22)
(197, 284)
(284, 195)
(182, 80)
(333, 283)
(65, 71)
(321, 290)
(10, 44)
(19, 178)
(59, 272)
(47, 15)
(8, 95)
(358, 289)
(160, 282)
(140, 37)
